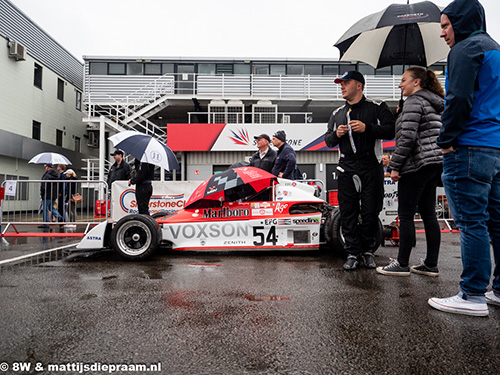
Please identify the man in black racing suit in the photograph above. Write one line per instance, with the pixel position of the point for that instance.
(358, 128)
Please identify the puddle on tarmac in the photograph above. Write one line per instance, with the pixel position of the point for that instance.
(266, 298)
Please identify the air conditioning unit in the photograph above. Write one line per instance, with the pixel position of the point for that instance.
(17, 51)
(93, 140)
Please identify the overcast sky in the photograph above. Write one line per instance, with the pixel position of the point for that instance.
(209, 28)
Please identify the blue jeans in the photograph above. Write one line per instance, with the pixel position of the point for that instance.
(471, 177)
(48, 206)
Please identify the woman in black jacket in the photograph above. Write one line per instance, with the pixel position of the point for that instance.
(417, 166)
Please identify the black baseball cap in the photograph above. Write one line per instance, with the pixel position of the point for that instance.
(117, 152)
(351, 74)
(50, 165)
(265, 136)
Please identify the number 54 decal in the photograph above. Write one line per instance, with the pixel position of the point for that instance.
(263, 238)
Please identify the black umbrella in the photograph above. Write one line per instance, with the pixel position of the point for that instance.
(401, 34)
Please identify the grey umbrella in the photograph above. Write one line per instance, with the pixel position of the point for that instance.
(401, 34)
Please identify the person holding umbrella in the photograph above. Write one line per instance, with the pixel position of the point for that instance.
(357, 128)
(470, 142)
(144, 174)
(48, 193)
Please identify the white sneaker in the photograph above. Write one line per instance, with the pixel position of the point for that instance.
(458, 305)
(492, 299)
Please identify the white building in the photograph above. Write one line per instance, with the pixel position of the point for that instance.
(41, 89)
(209, 109)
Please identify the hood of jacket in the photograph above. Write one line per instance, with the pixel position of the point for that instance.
(466, 17)
(51, 174)
(435, 100)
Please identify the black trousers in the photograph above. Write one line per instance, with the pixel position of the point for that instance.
(419, 189)
(359, 235)
(143, 194)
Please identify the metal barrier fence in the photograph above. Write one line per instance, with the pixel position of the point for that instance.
(53, 202)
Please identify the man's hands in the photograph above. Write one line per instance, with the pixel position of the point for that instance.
(356, 126)
(446, 150)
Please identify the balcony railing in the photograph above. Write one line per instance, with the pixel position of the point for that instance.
(139, 90)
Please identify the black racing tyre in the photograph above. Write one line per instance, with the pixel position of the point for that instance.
(135, 237)
(335, 239)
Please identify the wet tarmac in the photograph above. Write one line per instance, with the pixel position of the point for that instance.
(249, 313)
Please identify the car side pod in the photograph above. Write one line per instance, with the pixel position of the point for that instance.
(94, 239)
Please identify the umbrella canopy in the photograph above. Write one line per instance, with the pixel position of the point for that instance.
(49, 157)
(232, 184)
(146, 149)
(401, 34)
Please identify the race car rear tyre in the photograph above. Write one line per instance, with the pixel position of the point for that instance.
(135, 237)
(335, 238)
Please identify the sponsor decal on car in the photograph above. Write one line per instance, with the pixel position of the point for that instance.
(211, 213)
(280, 207)
(307, 221)
(262, 212)
(204, 231)
(285, 222)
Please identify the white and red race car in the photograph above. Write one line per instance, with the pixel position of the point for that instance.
(292, 219)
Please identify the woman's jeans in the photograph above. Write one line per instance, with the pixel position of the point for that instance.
(471, 177)
(419, 189)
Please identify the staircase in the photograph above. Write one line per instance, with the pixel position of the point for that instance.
(129, 114)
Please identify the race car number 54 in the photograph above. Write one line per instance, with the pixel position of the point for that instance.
(260, 234)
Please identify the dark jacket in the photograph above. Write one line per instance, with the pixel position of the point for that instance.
(144, 173)
(118, 172)
(49, 190)
(285, 162)
(266, 163)
(417, 129)
(472, 112)
(379, 122)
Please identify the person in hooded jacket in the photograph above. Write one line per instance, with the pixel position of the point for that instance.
(470, 142)
(48, 193)
(417, 165)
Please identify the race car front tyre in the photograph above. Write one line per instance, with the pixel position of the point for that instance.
(135, 237)
(336, 239)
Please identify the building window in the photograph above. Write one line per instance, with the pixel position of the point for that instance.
(366, 69)
(345, 68)
(100, 69)
(385, 71)
(60, 89)
(330, 70)
(167, 68)
(206, 69)
(59, 137)
(116, 68)
(135, 69)
(295, 70)
(313, 70)
(261, 69)
(36, 130)
(152, 69)
(241, 68)
(38, 76)
(77, 144)
(78, 103)
(277, 70)
(224, 68)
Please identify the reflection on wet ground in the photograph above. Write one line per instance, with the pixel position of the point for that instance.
(272, 313)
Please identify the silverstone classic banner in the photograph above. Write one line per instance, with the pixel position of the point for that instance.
(239, 137)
